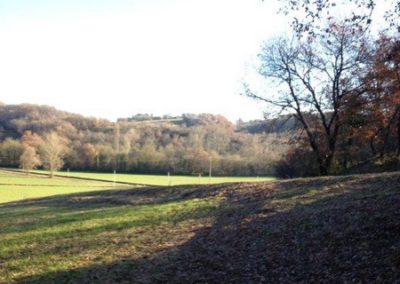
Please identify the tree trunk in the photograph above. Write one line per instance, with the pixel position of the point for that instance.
(345, 162)
(398, 136)
(323, 170)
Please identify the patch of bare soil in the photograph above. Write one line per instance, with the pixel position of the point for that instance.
(342, 229)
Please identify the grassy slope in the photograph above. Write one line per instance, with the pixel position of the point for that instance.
(14, 186)
(161, 180)
(306, 230)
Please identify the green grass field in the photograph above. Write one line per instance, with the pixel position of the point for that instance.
(287, 231)
(161, 180)
(303, 230)
(14, 186)
(40, 217)
(44, 240)
(17, 185)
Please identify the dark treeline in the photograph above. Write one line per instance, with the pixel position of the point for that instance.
(40, 136)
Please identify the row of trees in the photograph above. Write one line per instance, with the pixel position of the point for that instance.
(33, 151)
(184, 145)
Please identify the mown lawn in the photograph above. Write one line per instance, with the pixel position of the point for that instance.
(162, 180)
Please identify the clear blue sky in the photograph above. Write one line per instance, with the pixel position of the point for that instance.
(116, 58)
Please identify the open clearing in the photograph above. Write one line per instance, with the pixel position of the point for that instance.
(341, 229)
(159, 179)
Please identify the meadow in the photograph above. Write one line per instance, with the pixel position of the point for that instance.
(305, 230)
(159, 180)
(17, 186)
(70, 230)
(84, 224)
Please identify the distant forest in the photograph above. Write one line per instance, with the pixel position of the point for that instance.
(35, 136)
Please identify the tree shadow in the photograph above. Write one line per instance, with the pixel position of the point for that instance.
(346, 232)
(95, 204)
(115, 197)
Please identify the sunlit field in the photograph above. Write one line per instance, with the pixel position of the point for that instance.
(18, 185)
(43, 240)
(196, 233)
(15, 186)
(161, 180)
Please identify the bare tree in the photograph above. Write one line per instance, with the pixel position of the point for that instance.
(52, 152)
(313, 80)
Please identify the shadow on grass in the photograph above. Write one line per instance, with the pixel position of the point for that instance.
(94, 205)
(76, 222)
(346, 231)
(113, 197)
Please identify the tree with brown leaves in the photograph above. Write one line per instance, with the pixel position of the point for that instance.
(52, 152)
(29, 159)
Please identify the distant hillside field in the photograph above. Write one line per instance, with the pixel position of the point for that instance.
(334, 229)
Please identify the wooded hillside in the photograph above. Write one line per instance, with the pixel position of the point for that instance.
(187, 144)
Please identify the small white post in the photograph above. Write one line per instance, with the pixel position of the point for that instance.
(114, 177)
